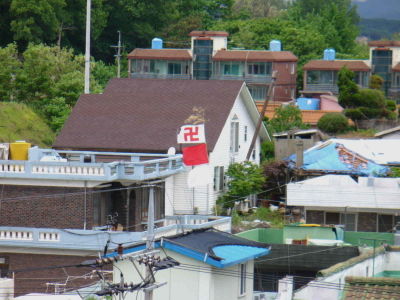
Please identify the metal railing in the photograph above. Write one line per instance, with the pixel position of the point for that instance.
(160, 76)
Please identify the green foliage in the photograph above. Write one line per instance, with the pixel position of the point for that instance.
(267, 150)
(286, 118)
(10, 66)
(391, 105)
(262, 214)
(333, 123)
(347, 87)
(376, 82)
(19, 122)
(394, 172)
(244, 179)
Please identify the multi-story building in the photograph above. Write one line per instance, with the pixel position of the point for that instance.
(322, 75)
(385, 62)
(208, 58)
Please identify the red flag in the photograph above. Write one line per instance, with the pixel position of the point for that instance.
(195, 155)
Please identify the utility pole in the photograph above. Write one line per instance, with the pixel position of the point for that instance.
(148, 293)
(118, 55)
(87, 50)
(262, 113)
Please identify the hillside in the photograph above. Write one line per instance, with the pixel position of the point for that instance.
(377, 9)
(19, 122)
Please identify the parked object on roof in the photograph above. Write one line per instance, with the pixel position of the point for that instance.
(308, 103)
(358, 157)
(392, 133)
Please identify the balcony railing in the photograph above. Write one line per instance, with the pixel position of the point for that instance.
(322, 87)
(247, 78)
(95, 240)
(160, 76)
(95, 166)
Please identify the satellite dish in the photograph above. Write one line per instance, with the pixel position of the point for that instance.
(171, 151)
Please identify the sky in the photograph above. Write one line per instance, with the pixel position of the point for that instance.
(386, 9)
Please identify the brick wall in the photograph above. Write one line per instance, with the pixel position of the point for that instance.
(44, 206)
(285, 81)
(34, 281)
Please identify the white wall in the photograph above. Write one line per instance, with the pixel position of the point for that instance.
(193, 280)
(185, 199)
(7, 288)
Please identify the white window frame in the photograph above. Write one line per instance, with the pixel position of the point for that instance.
(234, 142)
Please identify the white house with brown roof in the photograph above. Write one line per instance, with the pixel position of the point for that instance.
(144, 115)
(209, 58)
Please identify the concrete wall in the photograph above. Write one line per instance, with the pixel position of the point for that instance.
(377, 124)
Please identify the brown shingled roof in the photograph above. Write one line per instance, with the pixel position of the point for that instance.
(143, 115)
(254, 56)
(208, 33)
(167, 54)
(396, 68)
(384, 44)
(354, 65)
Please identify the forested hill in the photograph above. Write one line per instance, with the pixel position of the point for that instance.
(378, 9)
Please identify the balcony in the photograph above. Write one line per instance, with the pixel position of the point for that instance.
(322, 87)
(95, 240)
(91, 166)
(246, 77)
(160, 76)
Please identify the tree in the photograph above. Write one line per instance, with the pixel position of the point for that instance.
(347, 87)
(244, 179)
(376, 82)
(259, 8)
(10, 66)
(35, 20)
(286, 118)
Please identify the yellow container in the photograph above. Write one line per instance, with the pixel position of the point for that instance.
(19, 150)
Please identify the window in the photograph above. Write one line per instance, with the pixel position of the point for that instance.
(349, 221)
(234, 135)
(292, 68)
(332, 218)
(4, 266)
(245, 133)
(231, 69)
(148, 66)
(219, 178)
(258, 92)
(385, 223)
(262, 68)
(242, 271)
(174, 68)
(292, 93)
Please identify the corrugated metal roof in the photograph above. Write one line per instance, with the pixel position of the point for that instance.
(164, 54)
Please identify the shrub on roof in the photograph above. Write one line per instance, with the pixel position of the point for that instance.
(333, 123)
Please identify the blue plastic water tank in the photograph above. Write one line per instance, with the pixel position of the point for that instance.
(156, 43)
(326, 54)
(308, 103)
(275, 45)
(332, 54)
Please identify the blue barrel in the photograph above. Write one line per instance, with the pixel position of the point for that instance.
(308, 103)
(156, 43)
(332, 54)
(275, 45)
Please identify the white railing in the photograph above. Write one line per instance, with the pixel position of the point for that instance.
(49, 236)
(16, 235)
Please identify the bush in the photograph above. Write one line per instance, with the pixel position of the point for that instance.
(391, 105)
(267, 150)
(369, 98)
(333, 123)
(376, 82)
(354, 114)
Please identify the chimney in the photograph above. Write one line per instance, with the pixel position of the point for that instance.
(299, 154)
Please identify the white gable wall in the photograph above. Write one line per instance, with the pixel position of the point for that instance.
(183, 200)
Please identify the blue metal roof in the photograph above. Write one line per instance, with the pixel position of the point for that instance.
(327, 158)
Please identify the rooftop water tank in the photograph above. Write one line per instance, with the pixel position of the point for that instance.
(308, 103)
(275, 45)
(329, 54)
(156, 43)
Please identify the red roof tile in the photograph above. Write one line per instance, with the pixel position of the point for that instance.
(166, 54)
(384, 44)
(143, 115)
(254, 56)
(354, 65)
(208, 33)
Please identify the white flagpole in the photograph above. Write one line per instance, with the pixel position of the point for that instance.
(87, 50)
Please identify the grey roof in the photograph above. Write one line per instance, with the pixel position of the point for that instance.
(144, 115)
